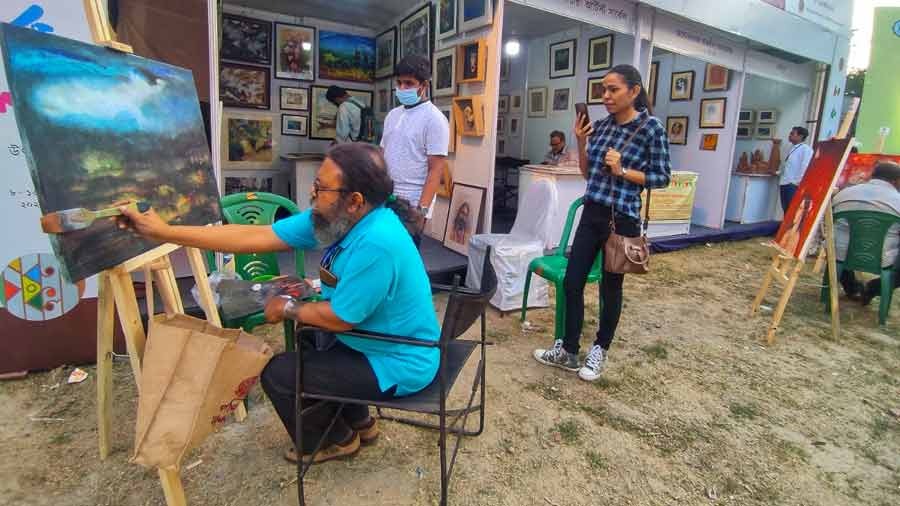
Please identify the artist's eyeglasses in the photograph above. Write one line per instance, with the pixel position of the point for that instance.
(318, 188)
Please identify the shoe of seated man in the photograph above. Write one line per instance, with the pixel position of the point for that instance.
(367, 430)
(557, 356)
(593, 364)
(331, 452)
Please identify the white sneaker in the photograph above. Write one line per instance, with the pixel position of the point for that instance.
(593, 364)
(557, 356)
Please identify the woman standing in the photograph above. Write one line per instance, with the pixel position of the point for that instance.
(617, 170)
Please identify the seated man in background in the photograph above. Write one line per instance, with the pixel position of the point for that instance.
(559, 154)
(373, 279)
(881, 193)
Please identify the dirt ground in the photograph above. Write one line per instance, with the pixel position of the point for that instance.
(693, 409)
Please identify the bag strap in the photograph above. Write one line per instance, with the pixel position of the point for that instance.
(627, 143)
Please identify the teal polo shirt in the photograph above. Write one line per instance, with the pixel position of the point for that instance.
(382, 287)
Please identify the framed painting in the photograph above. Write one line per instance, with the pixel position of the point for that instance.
(766, 116)
(504, 67)
(469, 113)
(295, 48)
(651, 82)
(475, 14)
(132, 131)
(562, 59)
(537, 102)
(744, 132)
(712, 112)
(246, 40)
(237, 184)
(501, 146)
(682, 86)
(513, 127)
(445, 189)
(244, 86)
(600, 53)
(464, 217)
(709, 142)
(501, 126)
(472, 61)
(446, 14)
(323, 114)
(677, 129)
(346, 57)
(250, 140)
(386, 53)
(415, 33)
(765, 132)
(595, 90)
(503, 104)
(746, 116)
(716, 78)
(561, 99)
(384, 98)
(444, 73)
(447, 111)
(294, 99)
(295, 124)
(515, 103)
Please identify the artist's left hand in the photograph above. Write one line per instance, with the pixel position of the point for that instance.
(613, 162)
(275, 309)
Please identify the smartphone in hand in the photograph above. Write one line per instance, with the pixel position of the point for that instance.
(582, 110)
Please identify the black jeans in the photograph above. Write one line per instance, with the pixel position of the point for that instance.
(871, 289)
(339, 371)
(590, 238)
(787, 194)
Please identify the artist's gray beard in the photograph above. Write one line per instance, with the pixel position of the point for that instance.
(330, 232)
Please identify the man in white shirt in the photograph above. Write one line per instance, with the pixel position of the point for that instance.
(881, 193)
(795, 164)
(416, 137)
(349, 115)
(559, 153)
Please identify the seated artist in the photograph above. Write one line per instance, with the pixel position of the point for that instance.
(882, 194)
(372, 279)
(559, 153)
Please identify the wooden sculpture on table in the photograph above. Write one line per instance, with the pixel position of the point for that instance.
(743, 164)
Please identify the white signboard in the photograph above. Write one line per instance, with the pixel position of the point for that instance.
(693, 39)
(616, 15)
(832, 14)
(768, 66)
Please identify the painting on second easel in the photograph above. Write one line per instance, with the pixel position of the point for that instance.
(99, 126)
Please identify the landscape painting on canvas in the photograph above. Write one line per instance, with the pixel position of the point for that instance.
(99, 126)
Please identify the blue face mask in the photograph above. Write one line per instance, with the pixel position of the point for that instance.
(408, 97)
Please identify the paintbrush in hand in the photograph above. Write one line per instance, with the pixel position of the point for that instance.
(79, 218)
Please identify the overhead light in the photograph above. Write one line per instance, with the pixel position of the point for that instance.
(307, 46)
(512, 48)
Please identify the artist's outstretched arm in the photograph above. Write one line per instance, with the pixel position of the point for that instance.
(228, 238)
(315, 314)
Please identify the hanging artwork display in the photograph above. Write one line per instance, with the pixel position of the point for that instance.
(444, 73)
(744, 131)
(515, 103)
(244, 86)
(766, 116)
(346, 57)
(294, 99)
(415, 33)
(445, 25)
(246, 39)
(562, 59)
(682, 86)
(385, 53)
(501, 146)
(765, 132)
(295, 48)
(447, 111)
(746, 116)
(651, 83)
(384, 98)
(537, 102)
(504, 67)
(600, 53)
(501, 126)
(323, 114)
(513, 127)
(294, 124)
(709, 142)
(595, 90)
(712, 112)
(475, 14)
(464, 217)
(248, 184)
(250, 140)
(716, 78)
(561, 99)
(677, 129)
(472, 61)
(503, 104)
(469, 112)
(132, 131)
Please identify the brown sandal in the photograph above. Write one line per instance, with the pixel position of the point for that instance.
(331, 452)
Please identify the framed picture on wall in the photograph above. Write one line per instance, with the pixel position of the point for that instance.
(295, 50)
(504, 67)
(600, 53)
(682, 86)
(384, 98)
(677, 129)
(503, 104)
(595, 90)
(746, 116)
(446, 15)
(562, 59)
(447, 111)
(475, 14)
(250, 140)
(765, 132)
(294, 99)
(515, 103)
(346, 57)
(716, 78)
(501, 126)
(651, 83)
(415, 34)
(537, 102)
(246, 39)
(469, 115)
(561, 99)
(766, 116)
(712, 112)
(744, 131)
(323, 114)
(244, 86)
(444, 73)
(513, 127)
(464, 216)
(236, 184)
(385, 53)
(501, 146)
(295, 124)
(472, 61)
(709, 142)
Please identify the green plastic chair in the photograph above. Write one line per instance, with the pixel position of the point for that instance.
(553, 269)
(868, 230)
(258, 208)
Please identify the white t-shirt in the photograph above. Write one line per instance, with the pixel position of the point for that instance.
(795, 164)
(410, 136)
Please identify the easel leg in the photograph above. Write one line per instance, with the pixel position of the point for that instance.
(832, 274)
(130, 318)
(168, 287)
(105, 332)
(767, 281)
(782, 303)
(172, 488)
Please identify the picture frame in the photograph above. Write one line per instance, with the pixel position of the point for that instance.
(514, 127)
(471, 61)
(445, 189)
(249, 130)
(765, 132)
(746, 116)
(562, 59)
(323, 114)
(293, 98)
(475, 14)
(244, 86)
(537, 102)
(346, 57)
(444, 73)
(744, 131)
(709, 142)
(296, 125)
(652, 82)
(469, 116)
(415, 34)
(505, 63)
(594, 91)
(600, 53)
(447, 111)
(464, 217)
(682, 88)
(246, 39)
(712, 112)
(295, 49)
(677, 129)
(516, 103)
(503, 104)
(716, 78)
(384, 98)
(766, 116)
(501, 126)
(238, 184)
(561, 99)
(501, 146)
(385, 53)
(446, 17)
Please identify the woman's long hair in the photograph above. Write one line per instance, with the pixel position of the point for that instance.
(632, 78)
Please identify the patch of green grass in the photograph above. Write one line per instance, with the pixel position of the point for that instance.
(61, 439)
(596, 461)
(870, 454)
(786, 451)
(569, 430)
(656, 351)
(881, 425)
(549, 392)
(605, 383)
(497, 336)
(744, 411)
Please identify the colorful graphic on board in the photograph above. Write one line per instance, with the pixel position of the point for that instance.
(34, 289)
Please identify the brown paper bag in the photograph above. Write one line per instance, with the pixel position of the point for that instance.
(194, 375)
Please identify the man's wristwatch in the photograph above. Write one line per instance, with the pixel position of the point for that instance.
(424, 210)
(288, 312)
(623, 171)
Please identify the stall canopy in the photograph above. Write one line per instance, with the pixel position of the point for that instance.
(374, 14)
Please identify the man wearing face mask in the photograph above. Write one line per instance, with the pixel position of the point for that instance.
(416, 137)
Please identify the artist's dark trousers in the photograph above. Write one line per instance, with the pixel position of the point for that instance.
(872, 288)
(590, 238)
(787, 194)
(339, 371)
